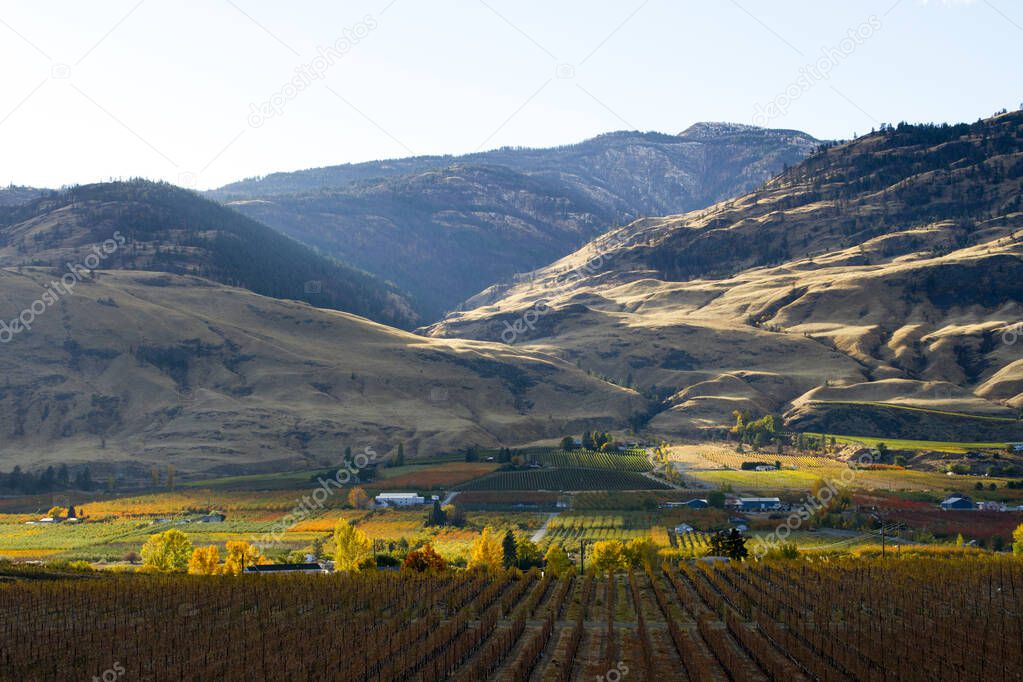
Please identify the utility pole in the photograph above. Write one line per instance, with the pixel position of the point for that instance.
(880, 519)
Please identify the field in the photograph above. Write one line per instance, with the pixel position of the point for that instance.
(910, 619)
(564, 479)
(632, 460)
(719, 465)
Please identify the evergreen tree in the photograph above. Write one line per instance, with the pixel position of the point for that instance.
(510, 553)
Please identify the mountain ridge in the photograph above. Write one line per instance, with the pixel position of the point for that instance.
(443, 228)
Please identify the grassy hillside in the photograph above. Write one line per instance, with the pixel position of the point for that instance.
(168, 229)
(140, 369)
(884, 270)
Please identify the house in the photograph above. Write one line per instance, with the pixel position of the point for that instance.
(696, 504)
(957, 502)
(764, 467)
(400, 499)
(1015, 447)
(285, 568)
(753, 504)
(683, 528)
(212, 517)
(992, 506)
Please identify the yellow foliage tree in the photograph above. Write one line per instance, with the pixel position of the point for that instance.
(204, 561)
(240, 555)
(556, 560)
(358, 498)
(642, 551)
(1017, 540)
(486, 551)
(351, 547)
(609, 556)
(56, 512)
(167, 552)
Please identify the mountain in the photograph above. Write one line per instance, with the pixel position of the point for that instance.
(134, 369)
(164, 228)
(873, 289)
(444, 227)
(15, 195)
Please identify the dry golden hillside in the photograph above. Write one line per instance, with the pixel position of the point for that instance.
(139, 368)
(887, 270)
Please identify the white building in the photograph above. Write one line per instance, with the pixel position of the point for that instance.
(400, 499)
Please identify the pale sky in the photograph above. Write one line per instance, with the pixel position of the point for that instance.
(174, 90)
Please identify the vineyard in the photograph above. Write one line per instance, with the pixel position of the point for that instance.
(564, 479)
(851, 620)
(631, 460)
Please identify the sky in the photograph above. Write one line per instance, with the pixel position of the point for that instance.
(204, 92)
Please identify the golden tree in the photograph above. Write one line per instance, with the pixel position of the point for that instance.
(556, 560)
(167, 552)
(56, 512)
(486, 551)
(358, 498)
(351, 547)
(609, 556)
(204, 561)
(240, 555)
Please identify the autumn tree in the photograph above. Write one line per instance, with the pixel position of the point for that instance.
(527, 554)
(486, 552)
(357, 498)
(424, 560)
(640, 552)
(240, 555)
(556, 560)
(56, 512)
(351, 547)
(1017, 540)
(167, 552)
(204, 561)
(608, 556)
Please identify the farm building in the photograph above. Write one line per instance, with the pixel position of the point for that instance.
(752, 504)
(212, 517)
(957, 502)
(400, 499)
(683, 528)
(285, 568)
(691, 504)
